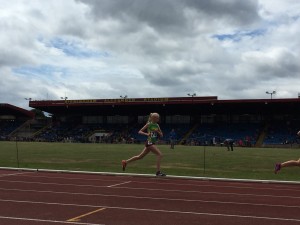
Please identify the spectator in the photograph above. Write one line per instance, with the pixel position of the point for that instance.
(172, 138)
(229, 144)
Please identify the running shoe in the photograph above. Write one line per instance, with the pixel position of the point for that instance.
(277, 168)
(124, 164)
(160, 174)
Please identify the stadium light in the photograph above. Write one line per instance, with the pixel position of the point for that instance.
(192, 95)
(28, 99)
(271, 93)
(64, 98)
(124, 97)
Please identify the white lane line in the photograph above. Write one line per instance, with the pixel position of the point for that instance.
(163, 211)
(13, 174)
(214, 179)
(219, 186)
(56, 184)
(210, 192)
(197, 183)
(73, 178)
(48, 221)
(154, 198)
(153, 189)
(145, 189)
(119, 184)
(250, 187)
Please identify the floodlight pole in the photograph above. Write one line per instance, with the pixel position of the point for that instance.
(271, 93)
(204, 159)
(28, 99)
(192, 95)
(65, 98)
(123, 97)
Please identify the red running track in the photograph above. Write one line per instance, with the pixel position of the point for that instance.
(44, 198)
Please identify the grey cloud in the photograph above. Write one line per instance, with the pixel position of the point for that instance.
(167, 75)
(172, 16)
(279, 63)
(17, 42)
(37, 14)
(235, 11)
(276, 69)
(162, 14)
(13, 57)
(77, 29)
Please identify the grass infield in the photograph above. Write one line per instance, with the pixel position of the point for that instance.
(246, 163)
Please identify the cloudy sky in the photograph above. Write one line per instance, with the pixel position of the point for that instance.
(148, 48)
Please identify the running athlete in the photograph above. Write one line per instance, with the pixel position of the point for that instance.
(153, 130)
(279, 166)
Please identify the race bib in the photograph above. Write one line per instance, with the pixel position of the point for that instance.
(153, 134)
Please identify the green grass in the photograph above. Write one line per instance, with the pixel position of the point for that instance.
(253, 163)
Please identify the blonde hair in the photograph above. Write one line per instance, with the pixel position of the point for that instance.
(151, 116)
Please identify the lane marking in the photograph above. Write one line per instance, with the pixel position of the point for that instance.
(48, 221)
(73, 178)
(151, 189)
(203, 201)
(214, 179)
(243, 185)
(209, 192)
(220, 186)
(13, 174)
(57, 184)
(77, 218)
(115, 185)
(183, 200)
(208, 214)
(166, 211)
(250, 186)
(124, 196)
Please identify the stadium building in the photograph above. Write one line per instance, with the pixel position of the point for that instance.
(12, 119)
(196, 120)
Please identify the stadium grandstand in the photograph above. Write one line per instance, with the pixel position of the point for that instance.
(14, 121)
(196, 120)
